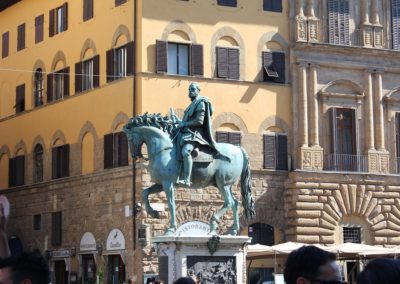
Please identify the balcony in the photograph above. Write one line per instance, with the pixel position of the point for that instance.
(346, 163)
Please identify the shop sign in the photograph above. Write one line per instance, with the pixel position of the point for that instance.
(60, 253)
(193, 228)
(115, 240)
(88, 243)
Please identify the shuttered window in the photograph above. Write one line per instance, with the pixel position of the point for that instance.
(228, 63)
(229, 3)
(272, 5)
(58, 20)
(38, 163)
(228, 137)
(56, 228)
(115, 150)
(21, 37)
(16, 173)
(343, 131)
(58, 85)
(5, 44)
(179, 59)
(39, 26)
(20, 98)
(396, 24)
(60, 161)
(87, 74)
(37, 222)
(275, 151)
(274, 66)
(87, 10)
(120, 62)
(38, 87)
(338, 22)
(119, 2)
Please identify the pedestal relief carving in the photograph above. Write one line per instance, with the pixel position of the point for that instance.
(301, 30)
(313, 29)
(378, 36)
(378, 162)
(311, 158)
(367, 36)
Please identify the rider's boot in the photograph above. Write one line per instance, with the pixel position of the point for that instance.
(187, 171)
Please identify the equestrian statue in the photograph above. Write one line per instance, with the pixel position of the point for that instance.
(183, 153)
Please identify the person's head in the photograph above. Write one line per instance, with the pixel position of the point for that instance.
(194, 90)
(380, 270)
(185, 280)
(311, 265)
(26, 268)
(158, 281)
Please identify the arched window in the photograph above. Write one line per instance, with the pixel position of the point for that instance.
(38, 163)
(38, 91)
(275, 149)
(273, 61)
(338, 22)
(228, 61)
(262, 234)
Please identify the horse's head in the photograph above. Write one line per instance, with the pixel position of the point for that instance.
(135, 141)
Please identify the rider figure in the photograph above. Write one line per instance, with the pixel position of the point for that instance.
(195, 129)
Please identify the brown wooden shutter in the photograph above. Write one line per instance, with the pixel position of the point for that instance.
(50, 87)
(222, 62)
(65, 16)
(56, 228)
(235, 138)
(279, 66)
(91, 10)
(282, 154)
(222, 137)
(161, 56)
(19, 170)
(122, 149)
(11, 172)
(396, 24)
(110, 65)
(233, 63)
(65, 160)
(130, 64)
(5, 44)
(39, 21)
(20, 98)
(333, 130)
(87, 9)
(54, 163)
(269, 151)
(197, 60)
(78, 77)
(96, 71)
(52, 24)
(277, 6)
(21, 37)
(108, 151)
(268, 64)
(65, 72)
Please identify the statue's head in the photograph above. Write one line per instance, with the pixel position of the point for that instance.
(194, 90)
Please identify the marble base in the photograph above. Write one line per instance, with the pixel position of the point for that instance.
(224, 258)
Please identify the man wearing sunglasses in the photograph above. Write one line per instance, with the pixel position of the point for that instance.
(311, 265)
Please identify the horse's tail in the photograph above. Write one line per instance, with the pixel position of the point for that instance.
(245, 184)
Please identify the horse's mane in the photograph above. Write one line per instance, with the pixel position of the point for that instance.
(156, 120)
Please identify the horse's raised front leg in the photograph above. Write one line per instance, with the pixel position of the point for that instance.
(228, 203)
(170, 193)
(155, 188)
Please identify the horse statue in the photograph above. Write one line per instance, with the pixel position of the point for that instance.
(158, 133)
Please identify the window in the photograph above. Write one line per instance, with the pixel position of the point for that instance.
(56, 228)
(38, 87)
(275, 151)
(115, 150)
(228, 137)
(38, 163)
(262, 234)
(60, 161)
(120, 62)
(338, 22)
(179, 59)
(272, 5)
(39, 21)
(396, 24)
(228, 63)
(58, 20)
(87, 74)
(20, 98)
(5, 45)
(352, 235)
(119, 2)
(274, 66)
(21, 37)
(58, 85)
(87, 10)
(16, 173)
(230, 3)
(37, 222)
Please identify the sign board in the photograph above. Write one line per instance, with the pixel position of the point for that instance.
(115, 240)
(60, 253)
(88, 243)
(193, 228)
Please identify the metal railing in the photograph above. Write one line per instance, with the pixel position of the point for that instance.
(346, 163)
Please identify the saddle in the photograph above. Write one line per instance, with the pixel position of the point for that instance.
(203, 154)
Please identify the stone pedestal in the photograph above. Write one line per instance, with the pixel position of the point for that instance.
(220, 259)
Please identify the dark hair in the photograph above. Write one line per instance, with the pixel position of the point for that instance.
(380, 270)
(305, 261)
(185, 280)
(27, 265)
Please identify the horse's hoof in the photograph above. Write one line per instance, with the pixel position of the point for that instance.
(169, 232)
(233, 232)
